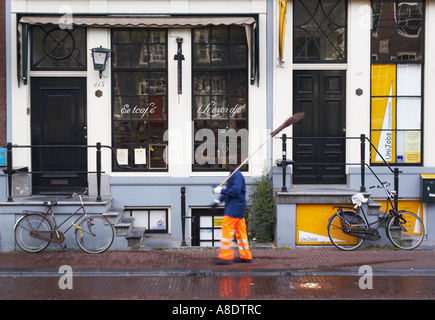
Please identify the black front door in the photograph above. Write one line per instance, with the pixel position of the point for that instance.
(58, 108)
(319, 150)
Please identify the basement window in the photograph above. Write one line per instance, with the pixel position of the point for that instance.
(154, 220)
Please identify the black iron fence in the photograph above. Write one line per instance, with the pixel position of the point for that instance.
(10, 170)
(362, 163)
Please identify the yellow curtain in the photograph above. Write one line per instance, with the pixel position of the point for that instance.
(282, 22)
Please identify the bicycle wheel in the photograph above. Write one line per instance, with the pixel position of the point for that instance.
(32, 223)
(405, 231)
(94, 234)
(343, 230)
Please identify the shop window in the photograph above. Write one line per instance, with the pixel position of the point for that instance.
(154, 220)
(397, 32)
(319, 31)
(220, 96)
(58, 49)
(397, 81)
(139, 93)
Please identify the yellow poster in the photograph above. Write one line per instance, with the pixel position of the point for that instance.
(218, 221)
(414, 206)
(312, 223)
(383, 123)
(312, 220)
(382, 77)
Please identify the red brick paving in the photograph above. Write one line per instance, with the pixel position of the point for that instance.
(263, 259)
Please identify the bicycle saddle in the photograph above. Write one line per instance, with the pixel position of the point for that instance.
(50, 203)
(358, 199)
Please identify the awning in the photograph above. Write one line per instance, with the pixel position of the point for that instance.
(123, 21)
(141, 21)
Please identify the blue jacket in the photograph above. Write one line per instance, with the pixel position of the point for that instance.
(234, 196)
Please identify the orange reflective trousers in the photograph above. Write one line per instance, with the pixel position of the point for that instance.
(229, 225)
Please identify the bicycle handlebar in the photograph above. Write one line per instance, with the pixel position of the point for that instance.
(382, 185)
(78, 194)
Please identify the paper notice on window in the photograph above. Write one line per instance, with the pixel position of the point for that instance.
(140, 156)
(412, 146)
(122, 156)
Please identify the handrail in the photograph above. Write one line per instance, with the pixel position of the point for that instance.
(283, 163)
(362, 162)
(10, 171)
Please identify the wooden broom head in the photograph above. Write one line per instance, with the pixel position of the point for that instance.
(293, 119)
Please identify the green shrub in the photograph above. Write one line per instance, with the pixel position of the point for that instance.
(261, 214)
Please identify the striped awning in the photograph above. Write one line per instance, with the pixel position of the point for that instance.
(137, 21)
(113, 21)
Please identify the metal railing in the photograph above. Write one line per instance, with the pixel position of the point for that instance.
(363, 164)
(10, 171)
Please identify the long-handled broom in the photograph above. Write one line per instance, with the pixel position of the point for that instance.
(293, 119)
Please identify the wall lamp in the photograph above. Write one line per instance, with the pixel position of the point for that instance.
(99, 57)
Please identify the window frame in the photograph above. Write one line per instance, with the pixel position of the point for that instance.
(321, 60)
(396, 96)
(132, 145)
(48, 28)
(131, 210)
(227, 71)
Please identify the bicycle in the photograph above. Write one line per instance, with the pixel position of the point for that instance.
(349, 227)
(34, 231)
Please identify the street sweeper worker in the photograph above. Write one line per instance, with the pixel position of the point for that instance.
(234, 197)
(235, 205)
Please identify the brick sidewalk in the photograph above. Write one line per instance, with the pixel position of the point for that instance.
(319, 259)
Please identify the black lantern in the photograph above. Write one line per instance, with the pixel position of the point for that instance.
(99, 57)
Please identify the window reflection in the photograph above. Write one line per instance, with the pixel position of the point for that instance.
(219, 87)
(139, 93)
(397, 31)
(397, 81)
(235, 287)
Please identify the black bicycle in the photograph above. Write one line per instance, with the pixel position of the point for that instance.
(35, 230)
(349, 227)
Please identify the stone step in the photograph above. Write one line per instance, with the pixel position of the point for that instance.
(159, 240)
(114, 214)
(135, 237)
(124, 226)
(374, 208)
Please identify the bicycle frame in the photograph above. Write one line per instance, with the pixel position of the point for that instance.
(364, 233)
(393, 212)
(388, 214)
(404, 229)
(60, 235)
(73, 224)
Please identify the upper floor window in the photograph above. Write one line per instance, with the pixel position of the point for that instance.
(319, 31)
(397, 33)
(58, 49)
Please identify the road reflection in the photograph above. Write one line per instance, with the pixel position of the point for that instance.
(235, 287)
